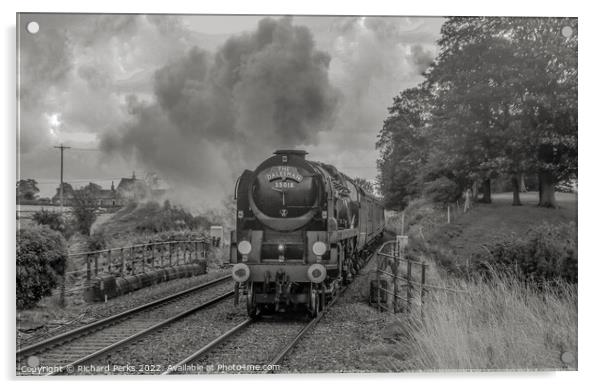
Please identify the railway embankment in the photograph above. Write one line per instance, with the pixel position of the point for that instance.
(511, 293)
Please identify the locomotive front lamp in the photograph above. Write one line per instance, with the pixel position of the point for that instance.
(316, 273)
(240, 272)
(319, 249)
(244, 248)
(281, 249)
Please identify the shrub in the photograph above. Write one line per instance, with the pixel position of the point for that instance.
(84, 210)
(442, 190)
(50, 219)
(97, 241)
(55, 221)
(41, 259)
(546, 253)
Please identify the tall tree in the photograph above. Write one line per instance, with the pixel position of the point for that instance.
(476, 116)
(502, 100)
(517, 79)
(27, 189)
(402, 144)
(548, 50)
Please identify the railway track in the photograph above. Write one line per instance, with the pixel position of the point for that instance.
(252, 346)
(64, 352)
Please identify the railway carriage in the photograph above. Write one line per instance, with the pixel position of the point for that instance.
(301, 227)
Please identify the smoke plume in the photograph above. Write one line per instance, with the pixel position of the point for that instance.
(214, 114)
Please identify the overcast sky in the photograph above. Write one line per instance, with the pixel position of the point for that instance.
(196, 99)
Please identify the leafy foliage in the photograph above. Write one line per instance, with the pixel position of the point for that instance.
(546, 253)
(49, 218)
(151, 217)
(41, 259)
(442, 190)
(54, 221)
(364, 184)
(84, 207)
(500, 99)
(403, 146)
(27, 189)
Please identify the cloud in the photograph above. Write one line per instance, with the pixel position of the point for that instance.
(215, 114)
(198, 108)
(373, 59)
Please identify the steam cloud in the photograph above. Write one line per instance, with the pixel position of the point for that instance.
(207, 113)
(215, 114)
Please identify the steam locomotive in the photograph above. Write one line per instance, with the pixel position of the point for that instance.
(301, 227)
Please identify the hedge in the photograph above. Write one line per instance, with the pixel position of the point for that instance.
(41, 260)
(546, 253)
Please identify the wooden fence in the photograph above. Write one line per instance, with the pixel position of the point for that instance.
(407, 278)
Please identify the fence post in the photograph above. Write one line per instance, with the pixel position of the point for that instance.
(153, 255)
(378, 282)
(63, 280)
(143, 250)
(96, 264)
(170, 255)
(88, 270)
(448, 215)
(395, 269)
(132, 260)
(161, 252)
(109, 260)
(122, 263)
(409, 285)
(422, 282)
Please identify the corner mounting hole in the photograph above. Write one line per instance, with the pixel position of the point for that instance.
(567, 31)
(33, 27)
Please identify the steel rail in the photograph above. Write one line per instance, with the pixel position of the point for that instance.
(137, 335)
(208, 347)
(289, 347)
(99, 324)
(283, 352)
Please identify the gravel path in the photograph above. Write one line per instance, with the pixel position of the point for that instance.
(252, 349)
(352, 336)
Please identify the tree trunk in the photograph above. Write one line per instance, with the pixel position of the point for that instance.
(523, 187)
(515, 190)
(547, 182)
(487, 191)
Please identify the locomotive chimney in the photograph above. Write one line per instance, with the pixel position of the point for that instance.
(299, 153)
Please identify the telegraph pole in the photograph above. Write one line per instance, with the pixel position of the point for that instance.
(62, 148)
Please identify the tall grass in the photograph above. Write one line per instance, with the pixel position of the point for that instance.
(497, 324)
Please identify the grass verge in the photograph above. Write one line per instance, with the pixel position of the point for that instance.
(498, 323)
